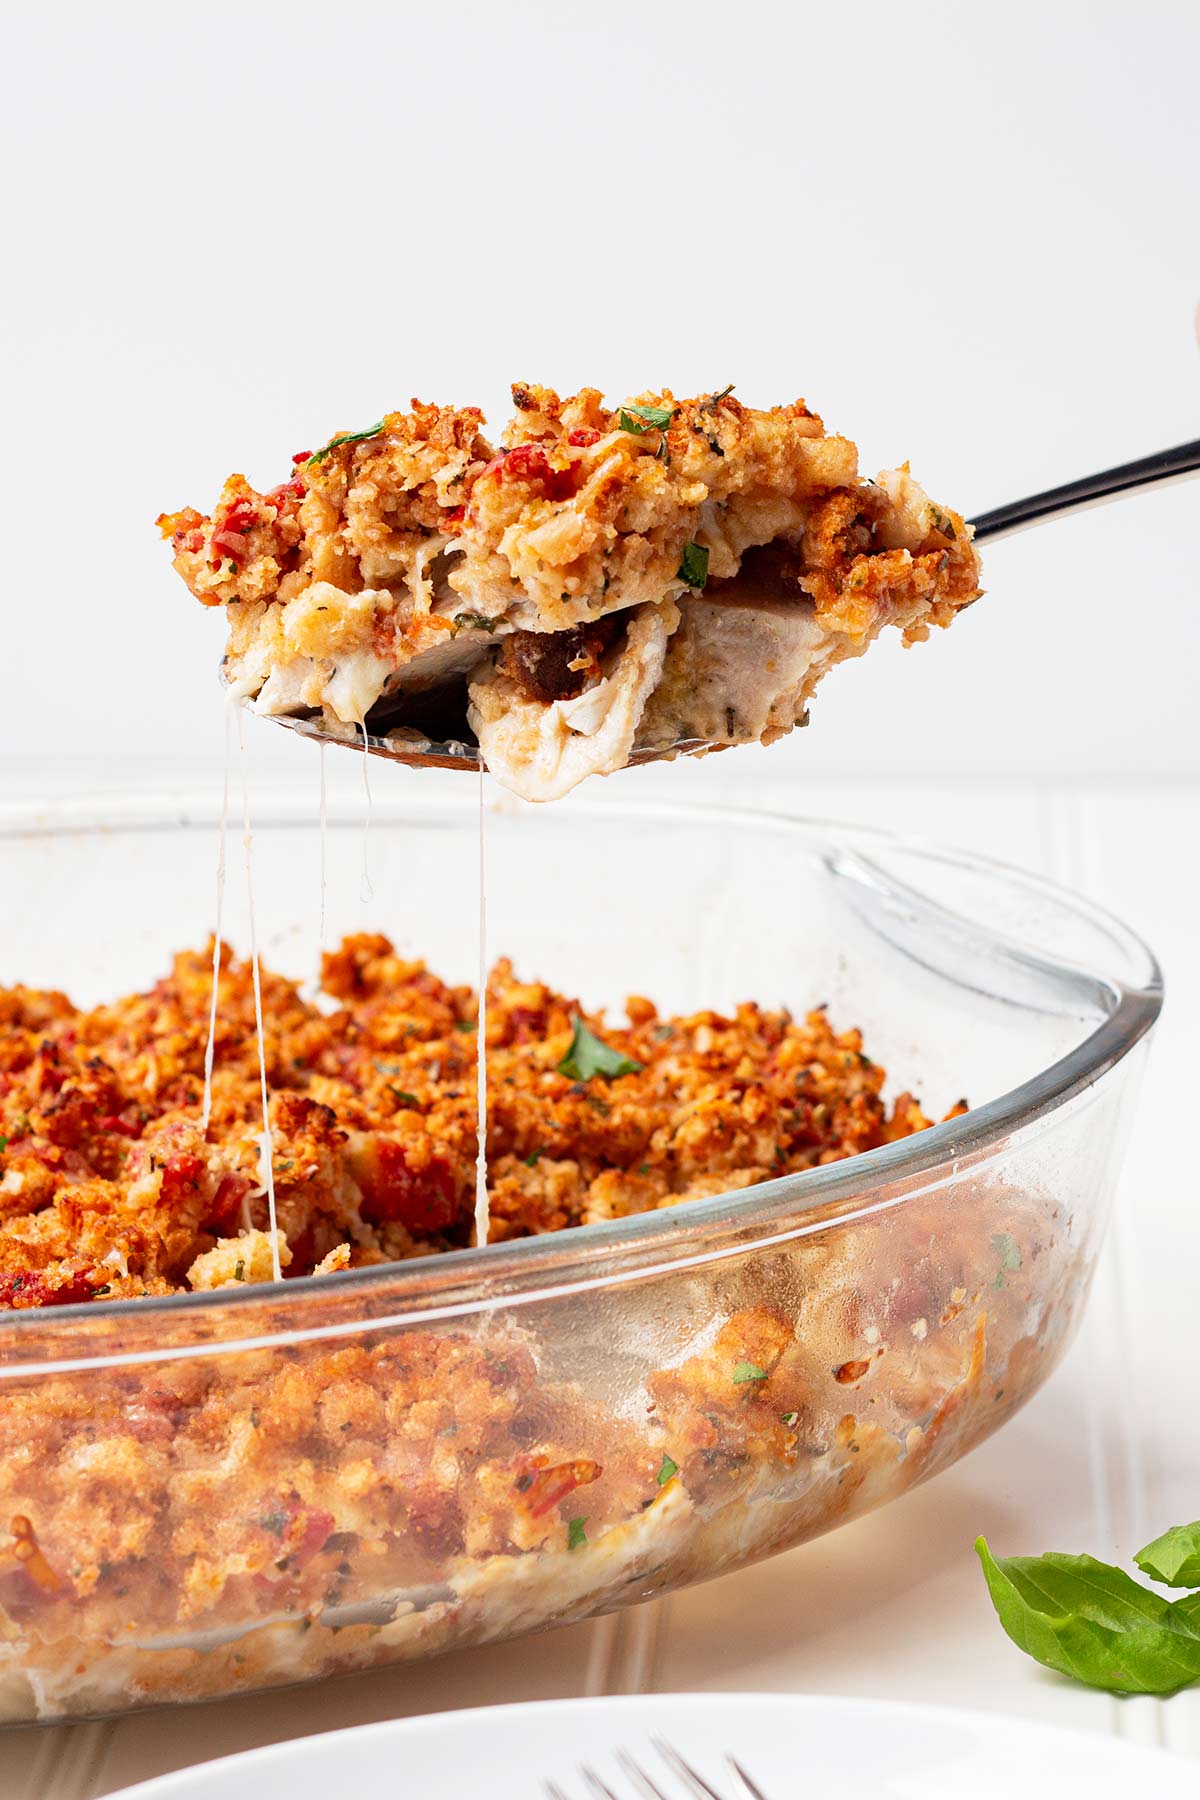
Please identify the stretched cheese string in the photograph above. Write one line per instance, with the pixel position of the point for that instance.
(368, 892)
(210, 1047)
(266, 1159)
(324, 822)
(482, 1217)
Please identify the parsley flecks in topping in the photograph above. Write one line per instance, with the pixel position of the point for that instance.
(716, 399)
(402, 1097)
(1173, 1558)
(274, 1522)
(669, 1468)
(1005, 1246)
(694, 567)
(3, 1145)
(1094, 1622)
(232, 569)
(239, 1273)
(645, 418)
(943, 524)
(748, 1371)
(477, 621)
(589, 1056)
(464, 1025)
(347, 437)
(531, 1161)
(106, 1289)
(576, 1533)
(790, 1419)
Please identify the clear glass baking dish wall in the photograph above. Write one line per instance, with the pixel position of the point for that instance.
(239, 1491)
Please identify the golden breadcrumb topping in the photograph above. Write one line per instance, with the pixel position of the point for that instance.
(111, 1187)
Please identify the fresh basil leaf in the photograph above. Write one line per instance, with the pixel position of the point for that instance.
(1173, 1558)
(748, 1371)
(645, 418)
(589, 1056)
(1093, 1622)
(347, 437)
(668, 1469)
(694, 567)
(576, 1533)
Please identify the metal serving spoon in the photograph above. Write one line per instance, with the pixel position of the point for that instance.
(405, 745)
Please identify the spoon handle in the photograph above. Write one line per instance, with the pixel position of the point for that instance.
(1159, 470)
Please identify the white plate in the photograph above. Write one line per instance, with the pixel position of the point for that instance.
(792, 1745)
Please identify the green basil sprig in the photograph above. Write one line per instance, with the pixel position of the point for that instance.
(1173, 1558)
(1097, 1624)
(645, 418)
(347, 437)
(590, 1055)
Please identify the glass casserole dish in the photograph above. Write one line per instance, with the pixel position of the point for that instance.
(265, 1485)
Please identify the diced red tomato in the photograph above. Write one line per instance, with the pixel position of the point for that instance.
(28, 1290)
(181, 1176)
(318, 1527)
(123, 1127)
(423, 1200)
(287, 491)
(546, 1488)
(226, 1209)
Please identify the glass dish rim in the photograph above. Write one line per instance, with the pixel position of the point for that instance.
(579, 1259)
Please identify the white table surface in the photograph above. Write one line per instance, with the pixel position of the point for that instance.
(893, 1606)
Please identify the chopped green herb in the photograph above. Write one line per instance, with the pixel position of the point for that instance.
(576, 1533)
(643, 1168)
(668, 1469)
(1094, 1622)
(232, 568)
(239, 1273)
(1173, 1558)
(1005, 1246)
(106, 1289)
(943, 524)
(716, 399)
(694, 567)
(589, 1056)
(3, 1145)
(748, 1371)
(464, 1025)
(347, 437)
(274, 1522)
(401, 1097)
(480, 621)
(645, 418)
(790, 1419)
(531, 1161)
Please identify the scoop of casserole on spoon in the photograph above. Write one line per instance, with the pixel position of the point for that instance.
(609, 587)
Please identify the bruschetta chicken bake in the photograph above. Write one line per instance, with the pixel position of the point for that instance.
(607, 585)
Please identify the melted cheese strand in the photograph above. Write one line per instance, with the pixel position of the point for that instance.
(367, 892)
(482, 1216)
(266, 1158)
(324, 824)
(210, 1047)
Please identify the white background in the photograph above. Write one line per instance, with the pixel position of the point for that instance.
(966, 234)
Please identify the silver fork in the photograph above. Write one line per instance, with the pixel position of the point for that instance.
(646, 1788)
